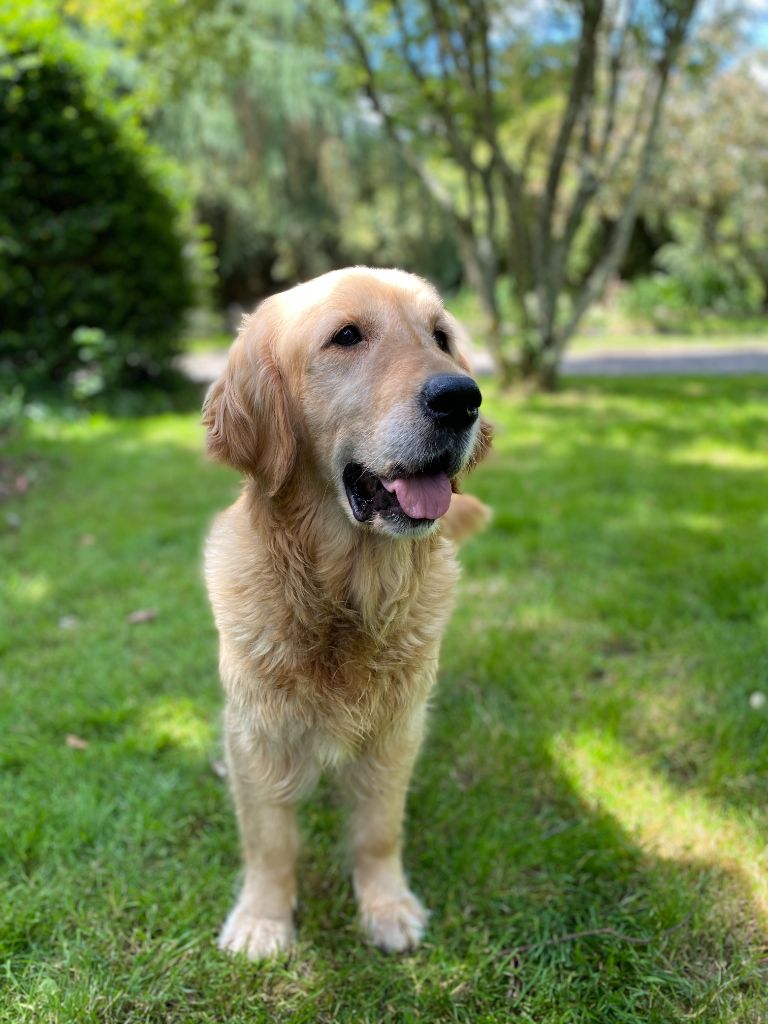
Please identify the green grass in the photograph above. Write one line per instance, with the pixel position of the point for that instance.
(626, 338)
(594, 763)
(209, 343)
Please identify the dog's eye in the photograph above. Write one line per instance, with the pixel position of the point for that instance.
(347, 336)
(442, 340)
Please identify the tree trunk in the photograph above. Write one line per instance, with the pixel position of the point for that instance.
(480, 270)
(539, 367)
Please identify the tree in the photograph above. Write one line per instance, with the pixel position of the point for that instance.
(713, 171)
(283, 171)
(522, 108)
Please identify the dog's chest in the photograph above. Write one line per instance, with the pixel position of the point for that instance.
(357, 689)
(339, 649)
(349, 671)
(341, 656)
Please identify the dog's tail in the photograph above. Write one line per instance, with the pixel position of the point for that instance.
(466, 515)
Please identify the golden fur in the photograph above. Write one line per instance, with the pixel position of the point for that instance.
(329, 628)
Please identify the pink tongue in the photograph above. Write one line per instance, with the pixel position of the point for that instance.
(422, 497)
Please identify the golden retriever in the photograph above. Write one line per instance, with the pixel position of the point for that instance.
(348, 406)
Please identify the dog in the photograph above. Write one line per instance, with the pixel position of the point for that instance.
(349, 408)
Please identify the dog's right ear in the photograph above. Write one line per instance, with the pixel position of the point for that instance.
(246, 412)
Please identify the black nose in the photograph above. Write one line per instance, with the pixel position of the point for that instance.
(452, 399)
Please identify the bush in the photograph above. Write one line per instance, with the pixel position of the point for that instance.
(694, 285)
(94, 284)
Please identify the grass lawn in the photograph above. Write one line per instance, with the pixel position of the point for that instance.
(209, 343)
(656, 342)
(588, 821)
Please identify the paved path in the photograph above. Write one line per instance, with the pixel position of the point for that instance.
(697, 358)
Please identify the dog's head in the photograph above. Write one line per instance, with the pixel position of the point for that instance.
(352, 385)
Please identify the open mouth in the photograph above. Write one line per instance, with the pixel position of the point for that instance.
(414, 500)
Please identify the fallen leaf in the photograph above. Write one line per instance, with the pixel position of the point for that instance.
(87, 540)
(21, 484)
(75, 742)
(142, 615)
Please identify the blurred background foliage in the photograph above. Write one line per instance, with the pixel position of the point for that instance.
(170, 156)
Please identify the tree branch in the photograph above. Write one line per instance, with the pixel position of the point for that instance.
(443, 33)
(678, 17)
(580, 98)
(616, 59)
(606, 267)
(488, 119)
(583, 74)
(436, 189)
(462, 152)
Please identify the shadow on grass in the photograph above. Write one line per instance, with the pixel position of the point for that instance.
(603, 642)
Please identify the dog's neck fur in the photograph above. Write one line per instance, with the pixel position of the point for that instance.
(332, 568)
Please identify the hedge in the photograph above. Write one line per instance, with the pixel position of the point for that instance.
(94, 283)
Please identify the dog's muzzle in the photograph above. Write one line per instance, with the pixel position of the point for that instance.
(416, 492)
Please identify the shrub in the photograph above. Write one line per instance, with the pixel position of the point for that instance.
(693, 284)
(94, 283)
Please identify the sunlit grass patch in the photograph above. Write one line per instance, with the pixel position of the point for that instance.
(674, 823)
(721, 455)
(28, 588)
(174, 722)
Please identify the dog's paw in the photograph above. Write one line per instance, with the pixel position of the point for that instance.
(395, 925)
(258, 937)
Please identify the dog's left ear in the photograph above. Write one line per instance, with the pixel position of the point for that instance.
(246, 411)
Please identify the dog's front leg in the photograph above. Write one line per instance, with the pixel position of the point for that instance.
(377, 782)
(265, 785)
